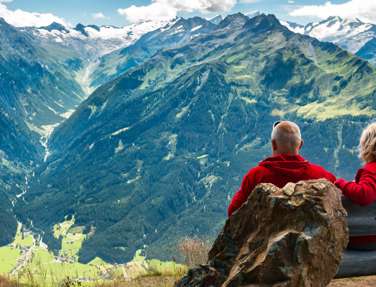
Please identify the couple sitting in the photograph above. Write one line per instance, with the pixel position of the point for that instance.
(286, 165)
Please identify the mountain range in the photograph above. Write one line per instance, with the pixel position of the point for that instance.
(177, 116)
(155, 154)
(352, 35)
(96, 40)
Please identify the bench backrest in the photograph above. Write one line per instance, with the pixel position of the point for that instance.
(361, 219)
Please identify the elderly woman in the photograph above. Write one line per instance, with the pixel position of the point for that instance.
(362, 191)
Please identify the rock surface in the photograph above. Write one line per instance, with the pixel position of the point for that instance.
(293, 236)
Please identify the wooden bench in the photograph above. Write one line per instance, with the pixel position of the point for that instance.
(361, 221)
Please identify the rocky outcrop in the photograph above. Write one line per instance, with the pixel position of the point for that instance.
(293, 236)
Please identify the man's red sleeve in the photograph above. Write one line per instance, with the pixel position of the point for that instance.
(363, 192)
(248, 184)
(331, 177)
(320, 172)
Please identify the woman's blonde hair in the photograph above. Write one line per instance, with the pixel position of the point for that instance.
(367, 146)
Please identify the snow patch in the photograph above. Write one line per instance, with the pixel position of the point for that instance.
(203, 159)
(120, 131)
(248, 100)
(84, 77)
(182, 112)
(177, 30)
(172, 142)
(299, 29)
(133, 180)
(196, 28)
(67, 114)
(202, 79)
(93, 110)
(26, 188)
(209, 180)
(46, 133)
(120, 147)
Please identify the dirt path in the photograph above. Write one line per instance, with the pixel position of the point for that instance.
(24, 259)
(355, 282)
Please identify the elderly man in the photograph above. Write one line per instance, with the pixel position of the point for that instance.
(284, 166)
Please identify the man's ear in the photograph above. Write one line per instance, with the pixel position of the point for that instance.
(301, 145)
(274, 145)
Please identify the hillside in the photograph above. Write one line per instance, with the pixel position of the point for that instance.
(36, 92)
(173, 34)
(155, 155)
(45, 75)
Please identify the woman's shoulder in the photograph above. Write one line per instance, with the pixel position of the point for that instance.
(370, 167)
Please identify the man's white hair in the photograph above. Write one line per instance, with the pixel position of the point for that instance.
(287, 134)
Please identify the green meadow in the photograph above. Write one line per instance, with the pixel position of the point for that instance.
(30, 262)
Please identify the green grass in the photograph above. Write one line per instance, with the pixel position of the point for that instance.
(11, 253)
(23, 240)
(327, 110)
(72, 237)
(8, 258)
(61, 229)
(47, 270)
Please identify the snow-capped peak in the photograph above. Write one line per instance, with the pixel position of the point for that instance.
(103, 39)
(216, 20)
(350, 34)
(55, 26)
(129, 32)
(253, 14)
(335, 27)
(294, 27)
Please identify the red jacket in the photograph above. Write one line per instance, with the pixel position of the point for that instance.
(362, 192)
(279, 170)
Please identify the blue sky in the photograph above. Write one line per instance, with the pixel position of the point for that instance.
(117, 12)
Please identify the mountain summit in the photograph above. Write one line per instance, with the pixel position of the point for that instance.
(55, 26)
(233, 21)
(264, 23)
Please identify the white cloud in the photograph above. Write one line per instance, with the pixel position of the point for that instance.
(98, 15)
(168, 9)
(363, 9)
(154, 11)
(21, 18)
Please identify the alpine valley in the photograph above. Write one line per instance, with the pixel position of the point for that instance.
(136, 137)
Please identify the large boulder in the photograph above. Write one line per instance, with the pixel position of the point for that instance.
(293, 236)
